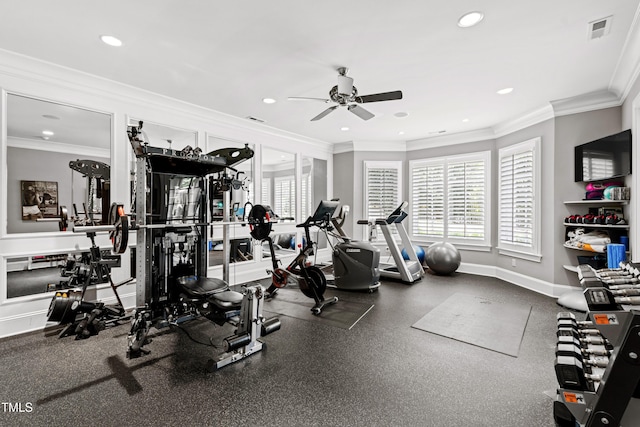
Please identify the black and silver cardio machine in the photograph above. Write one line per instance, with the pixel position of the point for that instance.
(355, 263)
(406, 270)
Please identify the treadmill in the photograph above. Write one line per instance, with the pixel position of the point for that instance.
(410, 270)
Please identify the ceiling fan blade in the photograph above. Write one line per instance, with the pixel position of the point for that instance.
(324, 113)
(360, 112)
(302, 98)
(385, 96)
(345, 85)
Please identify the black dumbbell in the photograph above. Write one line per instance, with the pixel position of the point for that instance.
(579, 353)
(572, 375)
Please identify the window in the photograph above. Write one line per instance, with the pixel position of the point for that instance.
(284, 202)
(450, 198)
(266, 192)
(306, 196)
(519, 230)
(383, 184)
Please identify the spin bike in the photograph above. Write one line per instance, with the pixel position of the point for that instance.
(300, 272)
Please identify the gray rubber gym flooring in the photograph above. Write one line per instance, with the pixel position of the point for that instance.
(382, 372)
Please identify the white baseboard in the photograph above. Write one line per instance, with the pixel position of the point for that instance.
(553, 290)
(37, 319)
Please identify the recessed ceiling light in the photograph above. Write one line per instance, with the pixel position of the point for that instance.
(344, 128)
(465, 120)
(268, 100)
(401, 133)
(505, 91)
(401, 114)
(470, 19)
(111, 41)
(47, 132)
(50, 116)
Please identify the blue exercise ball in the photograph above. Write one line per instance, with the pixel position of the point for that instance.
(442, 258)
(419, 253)
(292, 242)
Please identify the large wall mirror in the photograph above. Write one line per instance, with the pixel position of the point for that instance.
(279, 191)
(57, 155)
(41, 273)
(241, 196)
(313, 190)
(279, 182)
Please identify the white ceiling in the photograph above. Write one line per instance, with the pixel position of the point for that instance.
(228, 55)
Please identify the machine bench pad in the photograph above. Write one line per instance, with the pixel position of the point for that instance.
(202, 286)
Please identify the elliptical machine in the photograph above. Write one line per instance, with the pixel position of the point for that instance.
(355, 263)
(309, 278)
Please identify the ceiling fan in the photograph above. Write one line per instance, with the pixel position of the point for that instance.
(346, 94)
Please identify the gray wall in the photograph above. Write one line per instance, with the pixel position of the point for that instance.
(343, 185)
(572, 130)
(558, 136)
(35, 165)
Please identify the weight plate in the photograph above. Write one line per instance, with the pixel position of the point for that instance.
(121, 234)
(259, 222)
(64, 219)
(115, 211)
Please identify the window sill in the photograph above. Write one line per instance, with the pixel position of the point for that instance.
(475, 247)
(518, 254)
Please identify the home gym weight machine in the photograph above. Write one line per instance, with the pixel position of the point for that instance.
(171, 259)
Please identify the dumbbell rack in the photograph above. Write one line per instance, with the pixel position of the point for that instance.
(598, 360)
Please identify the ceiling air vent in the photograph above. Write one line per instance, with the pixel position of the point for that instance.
(255, 119)
(599, 27)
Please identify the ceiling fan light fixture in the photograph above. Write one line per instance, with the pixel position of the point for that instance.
(111, 40)
(470, 19)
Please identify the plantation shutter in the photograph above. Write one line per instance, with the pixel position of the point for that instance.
(305, 197)
(266, 192)
(382, 191)
(466, 199)
(517, 198)
(283, 191)
(427, 200)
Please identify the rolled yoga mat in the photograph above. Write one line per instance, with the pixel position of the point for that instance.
(615, 255)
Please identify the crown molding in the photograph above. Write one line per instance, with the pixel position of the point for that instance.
(597, 100)
(22, 67)
(529, 119)
(628, 66)
(58, 147)
(451, 139)
(345, 147)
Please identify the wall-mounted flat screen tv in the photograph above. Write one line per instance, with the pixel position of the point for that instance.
(604, 158)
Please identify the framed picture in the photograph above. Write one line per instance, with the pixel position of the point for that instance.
(39, 199)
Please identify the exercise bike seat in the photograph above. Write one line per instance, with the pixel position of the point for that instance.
(202, 287)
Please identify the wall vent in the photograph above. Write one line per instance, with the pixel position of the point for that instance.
(599, 28)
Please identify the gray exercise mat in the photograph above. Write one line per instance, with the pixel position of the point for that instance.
(293, 303)
(496, 326)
